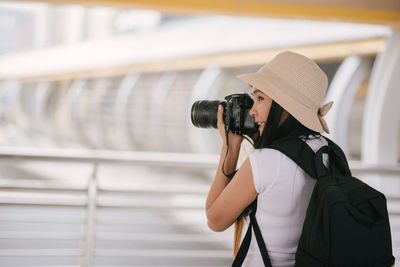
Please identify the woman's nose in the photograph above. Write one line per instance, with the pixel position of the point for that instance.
(252, 111)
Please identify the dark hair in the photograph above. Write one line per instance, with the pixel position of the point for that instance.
(273, 131)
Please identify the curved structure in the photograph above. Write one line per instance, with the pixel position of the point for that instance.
(380, 139)
(343, 88)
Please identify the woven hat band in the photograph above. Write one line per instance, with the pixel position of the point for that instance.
(269, 76)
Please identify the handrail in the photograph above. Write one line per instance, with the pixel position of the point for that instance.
(358, 166)
(182, 160)
(186, 160)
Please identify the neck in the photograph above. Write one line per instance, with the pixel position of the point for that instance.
(284, 116)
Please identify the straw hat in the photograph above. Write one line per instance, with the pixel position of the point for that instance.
(297, 84)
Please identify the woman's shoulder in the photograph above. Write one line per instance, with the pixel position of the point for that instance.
(273, 155)
(270, 153)
(269, 157)
(268, 165)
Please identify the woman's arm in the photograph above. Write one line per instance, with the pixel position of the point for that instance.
(228, 198)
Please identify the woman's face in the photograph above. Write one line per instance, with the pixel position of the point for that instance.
(260, 110)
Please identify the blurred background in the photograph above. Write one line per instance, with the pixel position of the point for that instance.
(100, 163)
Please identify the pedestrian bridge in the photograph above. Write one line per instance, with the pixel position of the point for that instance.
(125, 182)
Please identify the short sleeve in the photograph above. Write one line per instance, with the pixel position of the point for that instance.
(265, 164)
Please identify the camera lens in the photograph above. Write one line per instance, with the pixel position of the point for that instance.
(204, 113)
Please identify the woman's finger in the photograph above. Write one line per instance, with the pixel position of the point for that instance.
(220, 121)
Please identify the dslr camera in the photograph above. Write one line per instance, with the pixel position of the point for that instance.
(236, 114)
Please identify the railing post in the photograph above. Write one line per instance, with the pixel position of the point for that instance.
(89, 233)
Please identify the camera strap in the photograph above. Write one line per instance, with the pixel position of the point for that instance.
(230, 175)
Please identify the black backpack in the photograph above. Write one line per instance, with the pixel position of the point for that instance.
(346, 223)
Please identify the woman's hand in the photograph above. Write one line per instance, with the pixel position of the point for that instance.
(234, 139)
(228, 198)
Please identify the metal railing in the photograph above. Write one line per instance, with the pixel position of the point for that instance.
(162, 159)
(92, 197)
(181, 160)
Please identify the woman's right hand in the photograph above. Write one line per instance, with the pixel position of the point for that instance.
(234, 139)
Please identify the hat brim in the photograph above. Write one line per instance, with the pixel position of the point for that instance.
(302, 113)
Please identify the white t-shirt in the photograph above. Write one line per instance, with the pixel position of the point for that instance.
(284, 191)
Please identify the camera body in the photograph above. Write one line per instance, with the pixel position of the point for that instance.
(237, 117)
(236, 114)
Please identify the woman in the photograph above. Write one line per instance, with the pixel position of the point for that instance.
(288, 93)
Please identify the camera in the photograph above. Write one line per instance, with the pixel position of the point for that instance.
(236, 114)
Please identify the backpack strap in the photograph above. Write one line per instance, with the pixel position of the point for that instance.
(244, 247)
(338, 158)
(312, 163)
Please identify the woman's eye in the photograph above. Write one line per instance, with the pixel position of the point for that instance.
(260, 98)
